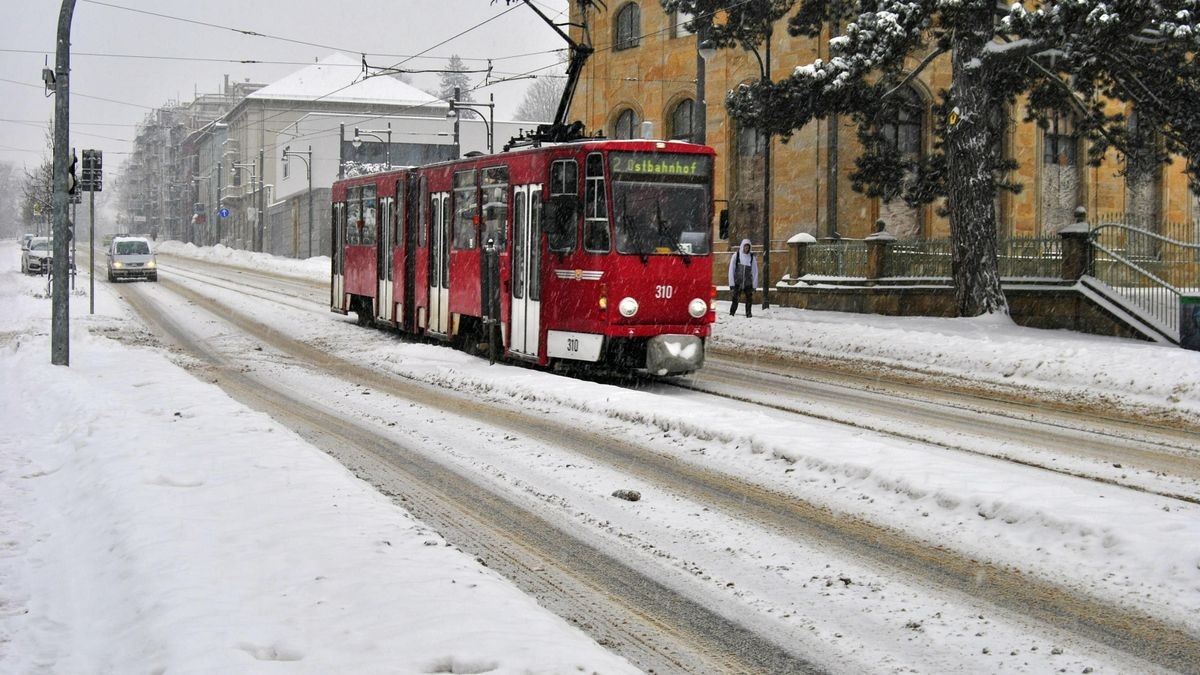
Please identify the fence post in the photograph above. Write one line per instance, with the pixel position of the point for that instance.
(877, 249)
(1076, 247)
(799, 258)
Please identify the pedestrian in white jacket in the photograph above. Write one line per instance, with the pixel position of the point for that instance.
(743, 276)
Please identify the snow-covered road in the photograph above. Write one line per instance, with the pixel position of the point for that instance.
(815, 594)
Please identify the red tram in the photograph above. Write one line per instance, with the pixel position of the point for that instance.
(596, 251)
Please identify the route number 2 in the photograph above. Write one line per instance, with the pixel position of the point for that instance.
(664, 292)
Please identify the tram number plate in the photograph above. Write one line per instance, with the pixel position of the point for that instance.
(664, 292)
(574, 345)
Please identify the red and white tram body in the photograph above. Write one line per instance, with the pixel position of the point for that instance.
(596, 251)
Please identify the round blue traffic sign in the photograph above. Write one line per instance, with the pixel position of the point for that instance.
(224, 213)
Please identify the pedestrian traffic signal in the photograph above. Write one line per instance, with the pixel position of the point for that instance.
(72, 181)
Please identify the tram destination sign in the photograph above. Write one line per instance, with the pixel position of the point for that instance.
(660, 165)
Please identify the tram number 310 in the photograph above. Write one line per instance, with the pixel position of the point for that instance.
(572, 344)
(664, 292)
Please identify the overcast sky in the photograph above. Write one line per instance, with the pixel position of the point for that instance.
(171, 50)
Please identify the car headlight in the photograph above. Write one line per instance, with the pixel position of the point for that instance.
(118, 264)
(151, 264)
(627, 307)
(697, 308)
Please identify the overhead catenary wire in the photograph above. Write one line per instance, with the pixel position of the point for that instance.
(266, 62)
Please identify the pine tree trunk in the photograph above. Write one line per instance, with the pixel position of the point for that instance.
(970, 179)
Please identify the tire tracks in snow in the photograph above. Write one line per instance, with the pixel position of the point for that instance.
(654, 626)
(1124, 629)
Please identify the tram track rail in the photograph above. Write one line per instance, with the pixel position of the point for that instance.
(1126, 629)
(928, 420)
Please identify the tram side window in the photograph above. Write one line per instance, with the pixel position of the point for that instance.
(535, 249)
(466, 209)
(595, 208)
(564, 184)
(494, 185)
(370, 215)
(519, 241)
(564, 177)
(354, 216)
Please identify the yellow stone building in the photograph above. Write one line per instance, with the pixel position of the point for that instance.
(645, 69)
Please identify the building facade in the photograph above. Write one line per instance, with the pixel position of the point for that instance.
(645, 69)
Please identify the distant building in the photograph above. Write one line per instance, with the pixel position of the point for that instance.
(223, 154)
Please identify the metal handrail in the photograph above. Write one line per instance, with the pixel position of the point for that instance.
(1152, 296)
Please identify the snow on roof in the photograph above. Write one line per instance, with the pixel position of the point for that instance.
(337, 78)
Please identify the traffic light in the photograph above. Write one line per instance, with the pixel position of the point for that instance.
(72, 181)
(92, 176)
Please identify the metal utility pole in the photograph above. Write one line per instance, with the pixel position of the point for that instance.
(262, 199)
(766, 284)
(220, 200)
(457, 149)
(288, 153)
(60, 316)
(92, 252)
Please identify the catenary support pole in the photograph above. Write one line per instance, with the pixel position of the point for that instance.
(766, 284)
(262, 200)
(60, 316)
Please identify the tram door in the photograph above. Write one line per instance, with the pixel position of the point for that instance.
(387, 262)
(526, 269)
(439, 263)
(338, 287)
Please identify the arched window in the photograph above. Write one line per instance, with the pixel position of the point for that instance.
(902, 125)
(1143, 176)
(682, 120)
(998, 125)
(628, 27)
(747, 176)
(1060, 186)
(625, 125)
(679, 24)
(903, 122)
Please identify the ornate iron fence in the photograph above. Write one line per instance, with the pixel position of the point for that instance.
(847, 258)
(931, 259)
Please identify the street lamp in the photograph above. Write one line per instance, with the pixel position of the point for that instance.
(764, 69)
(705, 50)
(452, 113)
(305, 155)
(253, 176)
(373, 133)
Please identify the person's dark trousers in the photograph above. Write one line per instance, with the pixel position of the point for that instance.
(736, 292)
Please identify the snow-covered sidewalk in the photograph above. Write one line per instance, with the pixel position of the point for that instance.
(149, 523)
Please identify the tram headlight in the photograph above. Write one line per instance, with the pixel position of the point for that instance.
(697, 308)
(627, 307)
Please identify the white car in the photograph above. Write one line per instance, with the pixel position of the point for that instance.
(36, 258)
(131, 258)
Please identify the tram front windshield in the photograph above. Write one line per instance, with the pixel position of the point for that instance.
(661, 203)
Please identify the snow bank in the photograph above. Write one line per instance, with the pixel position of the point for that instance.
(149, 523)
